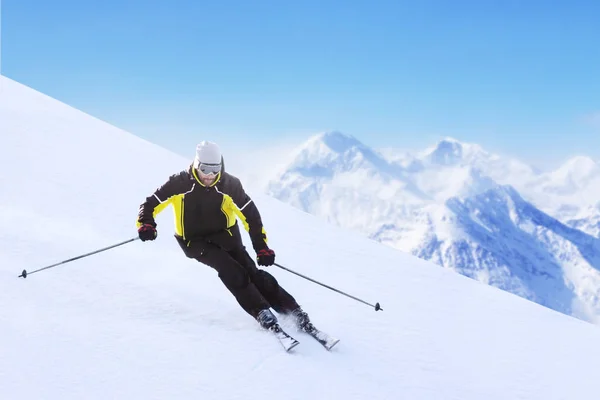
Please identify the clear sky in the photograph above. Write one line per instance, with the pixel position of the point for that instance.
(518, 77)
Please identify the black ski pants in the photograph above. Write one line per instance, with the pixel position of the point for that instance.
(253, 288)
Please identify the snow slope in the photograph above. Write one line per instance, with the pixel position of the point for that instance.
(142, 321)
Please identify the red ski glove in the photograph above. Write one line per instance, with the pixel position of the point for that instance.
(147, 232)
(265, 257)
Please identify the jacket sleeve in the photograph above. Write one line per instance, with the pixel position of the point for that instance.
(160, 199)
(248, 214)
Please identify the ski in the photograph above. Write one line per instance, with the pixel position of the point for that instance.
(327, 341)
(286, 340)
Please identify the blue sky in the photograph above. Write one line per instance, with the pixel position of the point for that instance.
(518, 77)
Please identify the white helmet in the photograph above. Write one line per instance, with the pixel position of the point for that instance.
(207, 153)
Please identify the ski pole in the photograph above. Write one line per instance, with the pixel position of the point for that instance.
(25, 273)
(377, 306)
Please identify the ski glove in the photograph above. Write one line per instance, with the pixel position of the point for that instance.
(147, 232)
(265, 257)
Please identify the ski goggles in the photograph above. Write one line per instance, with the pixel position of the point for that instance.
(207, 169)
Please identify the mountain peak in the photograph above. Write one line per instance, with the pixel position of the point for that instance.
(324, 154)
(450, 151)
(577, 171)
(580, 164)
(447, 151)
(336, 141)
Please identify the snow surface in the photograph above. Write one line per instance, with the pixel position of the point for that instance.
(142, 321)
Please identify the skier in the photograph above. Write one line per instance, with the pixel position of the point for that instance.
(207, 201)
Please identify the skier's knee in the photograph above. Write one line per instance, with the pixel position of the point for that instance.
(266, 280)
(234, 278)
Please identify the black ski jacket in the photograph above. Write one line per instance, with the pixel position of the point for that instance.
(206, 213)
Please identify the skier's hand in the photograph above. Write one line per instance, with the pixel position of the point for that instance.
(147, 232)
(265, 257)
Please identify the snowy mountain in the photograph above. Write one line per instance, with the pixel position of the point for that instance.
(445, 205)
(450, 152)
(570, 193)
(587, 220)
(142, 321)
(510, 244)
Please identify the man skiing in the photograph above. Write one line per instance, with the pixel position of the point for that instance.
(207, 202)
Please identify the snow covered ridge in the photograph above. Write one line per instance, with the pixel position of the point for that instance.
(496, 220)
(142, 322)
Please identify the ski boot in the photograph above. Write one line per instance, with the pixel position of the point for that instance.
(302, 320)
(303, 324)
(268, 321)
